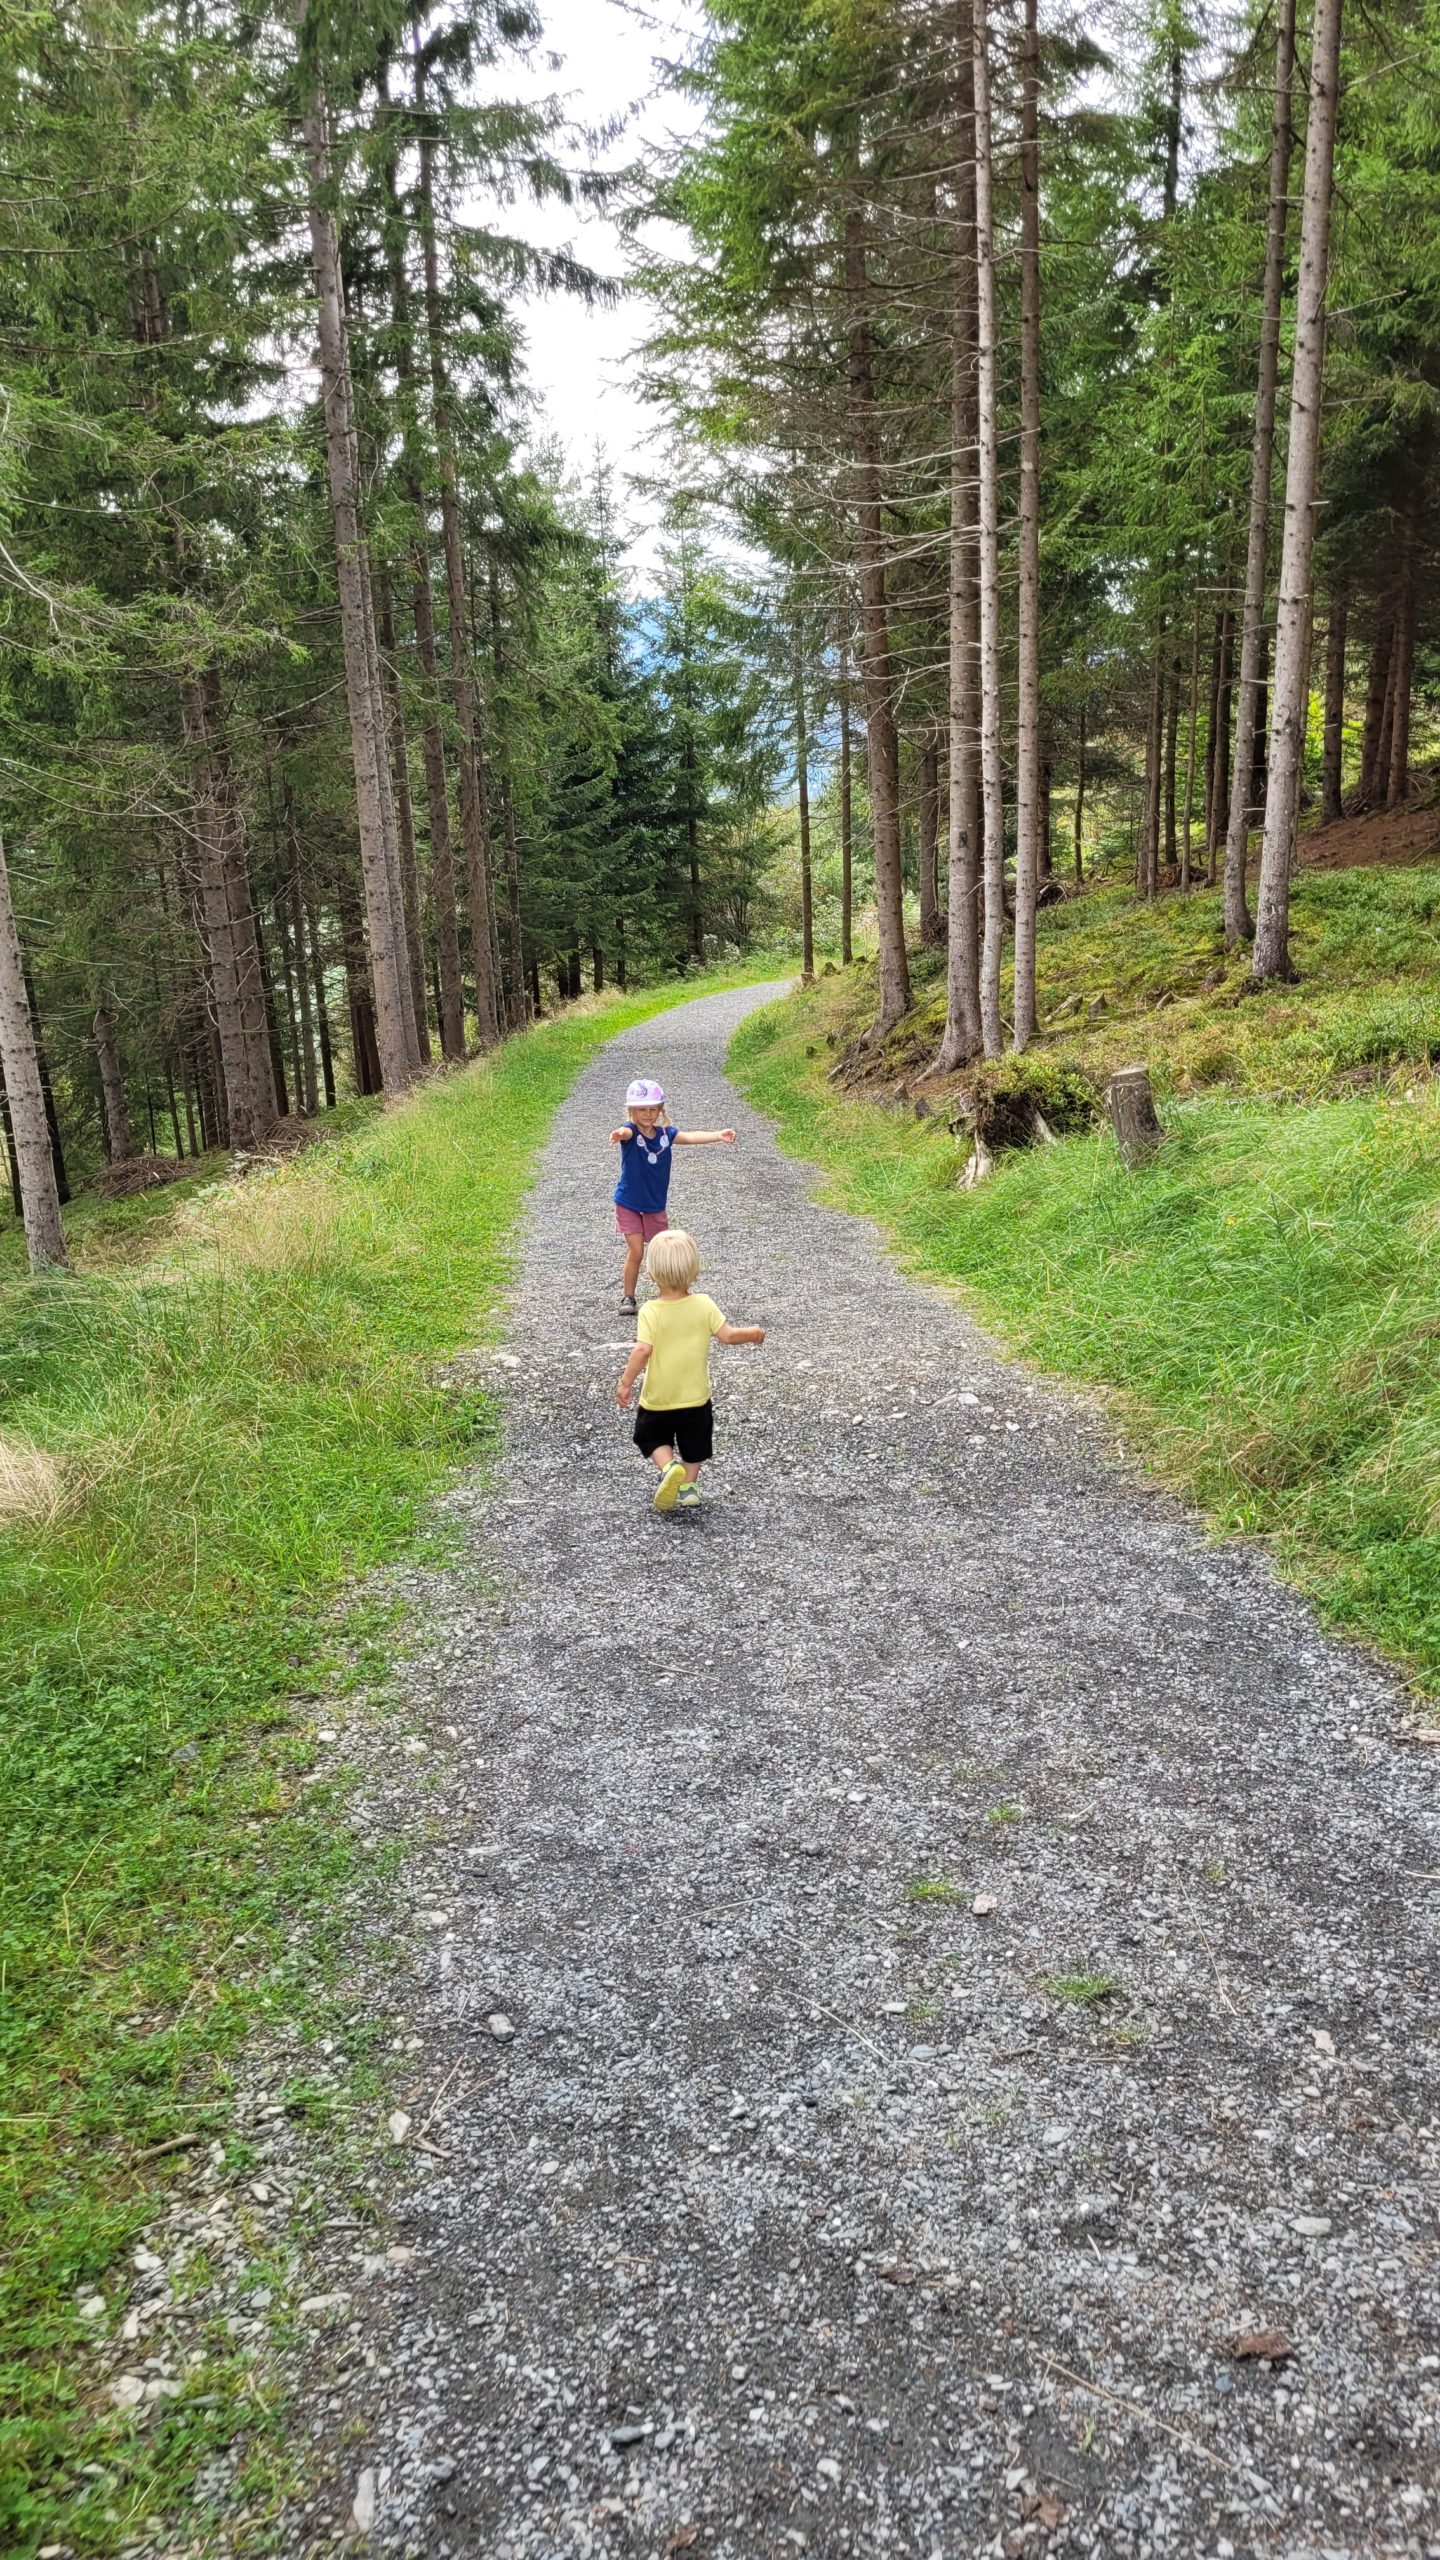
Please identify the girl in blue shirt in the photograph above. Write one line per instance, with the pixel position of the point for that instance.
(647, 1139)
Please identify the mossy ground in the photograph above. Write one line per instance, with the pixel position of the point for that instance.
(1365, 998)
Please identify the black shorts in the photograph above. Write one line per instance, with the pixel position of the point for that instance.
(688, 1429)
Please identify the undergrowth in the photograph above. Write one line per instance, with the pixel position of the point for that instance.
(1365, 1000)
(1265, 1297)
(235, 1400)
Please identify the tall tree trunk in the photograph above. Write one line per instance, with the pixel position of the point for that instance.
(1212, 727)
(119, 1146)
(1302, 473)
(12, 1161)
(246, 1116)
(1258, 768)
(187, 1088)
(515, 933)
(364, 1047)
(174, 1106)
(389, 818)
(1047, 809)
(963, 1038)
(1333, 774)
(393, 1020)
(1172, 133)
(516, 919)
(474, 816)
(847, 821)
(988, 459)
(1147, 869)
(932, 922)
(299, 1061)
(1170, 778)
(802, 786)
(692, 834)
(1379, 784)
(404, 823)
(271, 1020)
(220, 812)
(1248, 716)
(20, 1067)
(304, 991)
(1377, 691)
(1220, 804)
(322, 1006)
(1187, 824)
(437, 803)
(1398, 771)
(47, 1089)
(1028, 745)
(882, 751)
(1080, 804)
(451, 1004)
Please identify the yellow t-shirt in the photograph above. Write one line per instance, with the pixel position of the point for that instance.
(679, 1331)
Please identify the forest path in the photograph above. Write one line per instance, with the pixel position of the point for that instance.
(811, 2206)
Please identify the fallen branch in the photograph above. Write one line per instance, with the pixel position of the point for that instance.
(177, 2142)
(1137, 2409)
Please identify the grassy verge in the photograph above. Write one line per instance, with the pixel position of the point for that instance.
(1266, 1298)
(226, 1412)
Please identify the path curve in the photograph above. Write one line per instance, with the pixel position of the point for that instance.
(815, 2206)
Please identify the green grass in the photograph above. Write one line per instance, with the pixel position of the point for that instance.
(933, 1889)
(234, 1400)
(1264, 1300)
(1081, 1990)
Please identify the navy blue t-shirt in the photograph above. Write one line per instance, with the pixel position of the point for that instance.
(644, 1183)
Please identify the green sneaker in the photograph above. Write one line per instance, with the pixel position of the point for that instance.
(667, 1491)
(688, 1498)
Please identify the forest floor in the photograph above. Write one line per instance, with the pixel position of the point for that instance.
(912, 2012)
(1118, 980)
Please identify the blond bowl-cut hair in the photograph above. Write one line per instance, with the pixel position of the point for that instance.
(672, 1260)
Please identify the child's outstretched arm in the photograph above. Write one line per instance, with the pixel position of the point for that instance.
(622, 1136)
(704, 1138)
(631, 1371)
(741, 1333)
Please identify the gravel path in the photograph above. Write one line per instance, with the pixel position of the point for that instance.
(970, 1952)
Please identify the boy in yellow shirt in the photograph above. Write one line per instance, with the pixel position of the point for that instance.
(675, 1426)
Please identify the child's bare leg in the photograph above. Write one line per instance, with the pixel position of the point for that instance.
(660, 1459)
(634, 1256)
(692, 1473)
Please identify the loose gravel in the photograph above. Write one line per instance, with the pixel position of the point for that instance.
(913, 1965)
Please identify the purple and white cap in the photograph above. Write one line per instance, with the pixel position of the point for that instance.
(642, 1095)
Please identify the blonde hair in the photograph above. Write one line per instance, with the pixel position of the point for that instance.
(672, 1260)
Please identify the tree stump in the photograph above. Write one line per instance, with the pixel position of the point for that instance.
(1138, 1133)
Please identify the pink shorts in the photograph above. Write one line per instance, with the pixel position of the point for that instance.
(644, 1223)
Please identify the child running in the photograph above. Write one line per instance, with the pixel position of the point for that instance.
(646, 1139)
(675, 1426)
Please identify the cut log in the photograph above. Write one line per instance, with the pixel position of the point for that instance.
(1138, 1133)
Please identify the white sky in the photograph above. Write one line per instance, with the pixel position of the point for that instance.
(578, 361)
